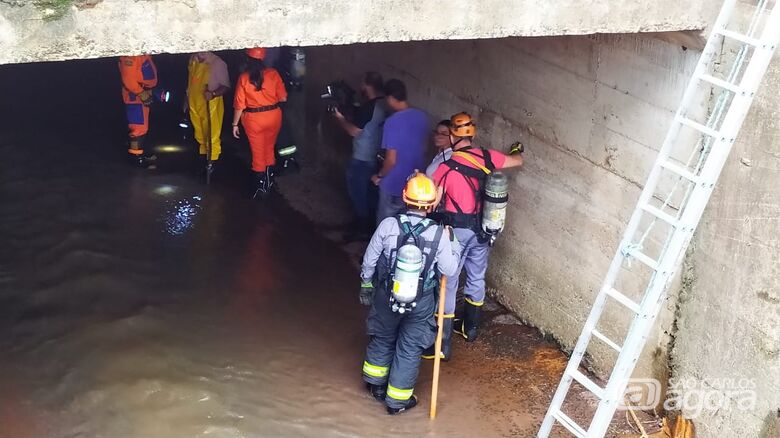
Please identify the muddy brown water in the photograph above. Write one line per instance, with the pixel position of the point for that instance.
(137, 304)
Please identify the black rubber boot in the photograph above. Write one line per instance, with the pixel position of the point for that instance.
(409, 405)
(270, 180)
(468, 327)
(377, 391)
(259, 185)
(446, 343)
(137, 157)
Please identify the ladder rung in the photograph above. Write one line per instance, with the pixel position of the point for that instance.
(606, 340)
(570, 425)
(740, 37)
(698, 126)
(590, 385)
(635, 253)
(679, 170)
(624, 300)
(666, 217)
(720, 83)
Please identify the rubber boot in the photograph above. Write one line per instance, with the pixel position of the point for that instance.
(259, 185)
(136, 154)
(446, 343)
(468, 327)
(409, 405)
(377, 391)
(270, 180)
(204, 169)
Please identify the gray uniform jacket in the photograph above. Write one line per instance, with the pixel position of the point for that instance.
(385, 239)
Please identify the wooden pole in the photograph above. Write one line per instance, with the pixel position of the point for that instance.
(437, 348)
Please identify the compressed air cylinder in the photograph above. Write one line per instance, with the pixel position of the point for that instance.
(494, 206)
(406, 279)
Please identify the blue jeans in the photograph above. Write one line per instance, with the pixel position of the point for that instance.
(361, 190)
(389, 206)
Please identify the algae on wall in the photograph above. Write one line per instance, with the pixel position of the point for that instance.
(53, 9)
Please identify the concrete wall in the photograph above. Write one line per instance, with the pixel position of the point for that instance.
(99, 28)
(729, 316)
(592, 112)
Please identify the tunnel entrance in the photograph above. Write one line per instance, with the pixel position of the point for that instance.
(143, 303)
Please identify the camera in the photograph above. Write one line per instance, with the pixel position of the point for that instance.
(339, 95)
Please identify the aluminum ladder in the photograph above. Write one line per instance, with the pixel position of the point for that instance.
(711, 141)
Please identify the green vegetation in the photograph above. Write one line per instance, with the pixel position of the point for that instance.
(54, 9)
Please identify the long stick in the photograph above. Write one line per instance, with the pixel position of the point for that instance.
(437, 348)
(209, 165)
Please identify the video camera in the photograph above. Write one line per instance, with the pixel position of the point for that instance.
(339, 96)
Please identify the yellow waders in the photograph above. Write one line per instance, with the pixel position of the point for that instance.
(198, 80)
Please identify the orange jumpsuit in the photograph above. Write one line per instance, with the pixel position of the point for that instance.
(261, 128)
(138, 74)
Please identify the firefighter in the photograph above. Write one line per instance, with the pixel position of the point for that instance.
(259, 91)
(399, 282)
(459, 180)
(139, 77)
(207, 82)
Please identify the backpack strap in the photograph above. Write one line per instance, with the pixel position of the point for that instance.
(431, 256)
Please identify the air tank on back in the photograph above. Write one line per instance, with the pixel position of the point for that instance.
(494, 205)
(406, 278)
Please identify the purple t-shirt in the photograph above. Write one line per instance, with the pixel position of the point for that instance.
(407, 132)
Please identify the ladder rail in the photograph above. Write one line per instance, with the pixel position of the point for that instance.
(671, 260)
(679, 239)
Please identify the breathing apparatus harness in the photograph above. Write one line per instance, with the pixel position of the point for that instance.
(461, 219)
(403, 278)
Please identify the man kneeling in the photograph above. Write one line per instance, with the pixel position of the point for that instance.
(401, 261)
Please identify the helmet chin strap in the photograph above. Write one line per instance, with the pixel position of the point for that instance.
(460, 139)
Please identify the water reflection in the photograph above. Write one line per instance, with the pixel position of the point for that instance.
(179, 219)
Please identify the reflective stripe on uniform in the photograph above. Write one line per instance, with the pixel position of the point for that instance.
(399, 394)
(374, 370)
(474, 303)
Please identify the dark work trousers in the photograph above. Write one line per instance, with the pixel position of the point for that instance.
(396, 343)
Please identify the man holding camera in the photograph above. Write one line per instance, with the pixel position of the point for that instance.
(365, 128)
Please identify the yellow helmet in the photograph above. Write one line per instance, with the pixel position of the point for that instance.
(420, 191)
(463, 125)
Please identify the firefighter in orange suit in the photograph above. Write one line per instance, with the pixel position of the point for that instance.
(139, 77)
(258, 93)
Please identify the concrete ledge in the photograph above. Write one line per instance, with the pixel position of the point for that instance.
(115, 27)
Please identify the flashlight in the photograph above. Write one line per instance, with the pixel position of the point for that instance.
(289, 150)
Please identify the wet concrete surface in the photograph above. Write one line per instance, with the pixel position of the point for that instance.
(144, 304)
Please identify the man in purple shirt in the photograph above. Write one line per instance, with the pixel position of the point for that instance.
(404, 139)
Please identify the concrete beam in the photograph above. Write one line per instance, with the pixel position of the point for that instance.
(98, 28)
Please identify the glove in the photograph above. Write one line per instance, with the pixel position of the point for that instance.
(146, 97)
(366, 293)
(517, 148)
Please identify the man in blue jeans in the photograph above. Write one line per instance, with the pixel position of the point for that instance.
(404, 139)
(366, 131)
